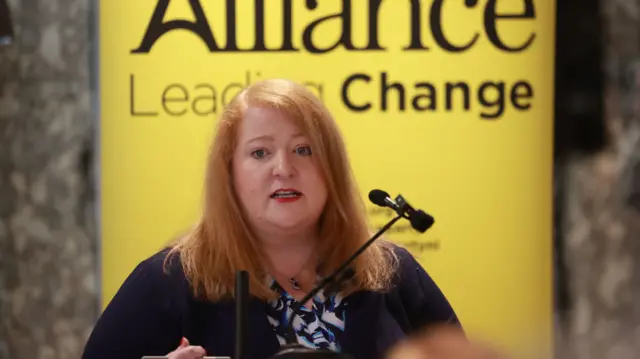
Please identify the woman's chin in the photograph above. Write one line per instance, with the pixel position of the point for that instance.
(290, 223)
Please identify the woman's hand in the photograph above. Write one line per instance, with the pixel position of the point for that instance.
(186, 351)
(442, 343)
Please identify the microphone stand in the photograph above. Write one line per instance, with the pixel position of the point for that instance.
(242, 317)
(338, 272)
(294, 350)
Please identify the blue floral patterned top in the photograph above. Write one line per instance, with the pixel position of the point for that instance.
(318, 328)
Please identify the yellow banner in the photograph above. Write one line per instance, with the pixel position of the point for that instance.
(448, 103)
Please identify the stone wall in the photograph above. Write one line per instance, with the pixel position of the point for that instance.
(602, 207)
(48, 247)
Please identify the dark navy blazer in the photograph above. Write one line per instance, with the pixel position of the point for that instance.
(153, 310)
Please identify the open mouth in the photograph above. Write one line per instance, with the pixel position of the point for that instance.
(286, 193)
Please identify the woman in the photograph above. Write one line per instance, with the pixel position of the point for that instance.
(281, 203)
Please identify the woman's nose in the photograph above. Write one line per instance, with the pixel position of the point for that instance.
(283, 166)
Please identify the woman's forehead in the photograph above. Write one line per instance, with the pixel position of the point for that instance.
(266, 123)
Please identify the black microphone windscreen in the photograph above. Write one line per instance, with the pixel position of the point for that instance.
(421, 221)
(377, 196)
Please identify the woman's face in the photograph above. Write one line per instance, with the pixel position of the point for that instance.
(274, 175)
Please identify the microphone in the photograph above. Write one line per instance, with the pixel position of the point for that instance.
(419, 221)
(382, 199)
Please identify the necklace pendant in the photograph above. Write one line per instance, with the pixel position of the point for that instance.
(294, 284)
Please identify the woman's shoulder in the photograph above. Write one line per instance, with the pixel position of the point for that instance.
(145, 314)
(404, 260)
(161, 271)
(401, 252)
(409, 272)
(417, 292)
(165, 258)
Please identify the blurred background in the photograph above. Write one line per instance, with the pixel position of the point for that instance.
(49, 278)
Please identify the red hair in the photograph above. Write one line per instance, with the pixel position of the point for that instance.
(221, 242)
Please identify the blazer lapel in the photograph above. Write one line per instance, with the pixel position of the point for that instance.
(217, 330)
(263, 342)
(361, 321)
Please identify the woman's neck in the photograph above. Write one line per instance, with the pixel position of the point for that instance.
(291, 257)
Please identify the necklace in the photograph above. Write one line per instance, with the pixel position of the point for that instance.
(294, 283)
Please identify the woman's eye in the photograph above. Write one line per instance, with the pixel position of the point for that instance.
(303, 150)
(259, 153)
